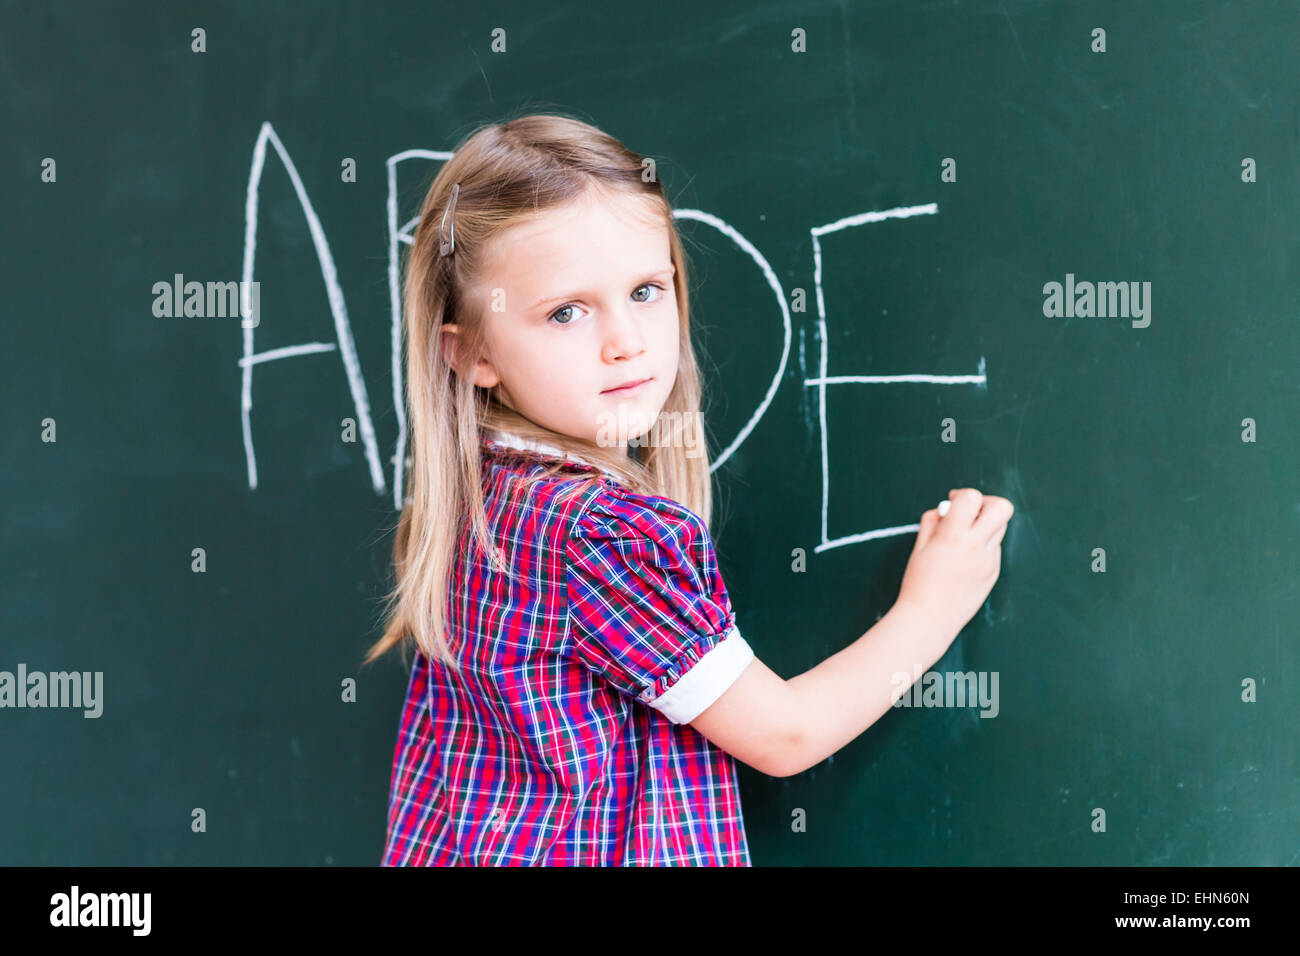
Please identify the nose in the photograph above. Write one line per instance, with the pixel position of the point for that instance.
(623, 338)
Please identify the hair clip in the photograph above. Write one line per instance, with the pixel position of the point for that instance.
(446, 241)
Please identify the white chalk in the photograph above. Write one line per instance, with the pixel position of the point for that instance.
(943, 507)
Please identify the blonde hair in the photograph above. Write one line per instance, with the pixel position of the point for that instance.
(509, 173)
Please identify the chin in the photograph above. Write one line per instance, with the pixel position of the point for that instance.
(627, 427)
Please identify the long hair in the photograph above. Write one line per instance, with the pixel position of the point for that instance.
(509, 173)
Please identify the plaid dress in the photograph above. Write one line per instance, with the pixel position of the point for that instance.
(566, 738)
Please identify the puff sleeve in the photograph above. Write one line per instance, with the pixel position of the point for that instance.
(647, 608)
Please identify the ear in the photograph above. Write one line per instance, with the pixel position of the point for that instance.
(485, 375)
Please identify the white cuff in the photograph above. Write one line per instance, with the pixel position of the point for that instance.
(697, 689)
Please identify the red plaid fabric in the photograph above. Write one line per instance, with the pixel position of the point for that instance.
(565, 739)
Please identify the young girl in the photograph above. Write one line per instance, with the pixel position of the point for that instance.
(580, 690)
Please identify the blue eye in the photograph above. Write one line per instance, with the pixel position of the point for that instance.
(649, 285)
(570, 306)
(562, 308)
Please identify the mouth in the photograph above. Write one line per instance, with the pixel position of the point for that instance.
(629, 387)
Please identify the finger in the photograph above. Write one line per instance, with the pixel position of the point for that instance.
(965, 507)
(929, 522)
(993, 517)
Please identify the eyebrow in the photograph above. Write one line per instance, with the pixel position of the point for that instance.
(557, 299)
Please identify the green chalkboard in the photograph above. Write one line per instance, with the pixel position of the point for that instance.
(877, 198)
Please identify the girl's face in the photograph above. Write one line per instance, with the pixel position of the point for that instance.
(576, 304)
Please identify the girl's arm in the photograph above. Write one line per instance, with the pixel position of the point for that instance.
(783, 727)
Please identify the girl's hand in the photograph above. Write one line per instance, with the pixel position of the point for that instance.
(955, 560)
